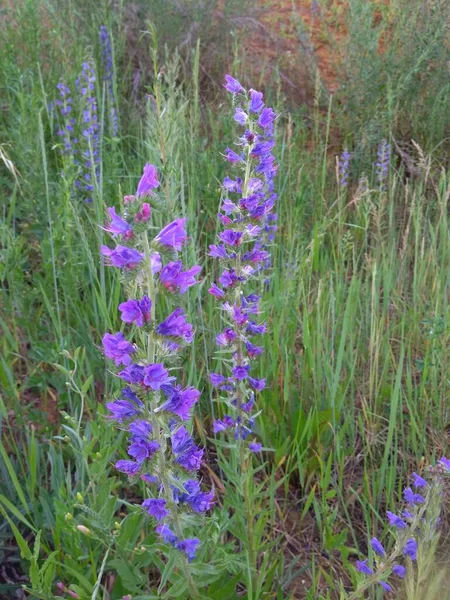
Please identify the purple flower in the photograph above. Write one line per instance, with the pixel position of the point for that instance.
(230, 237)
(411, 497)
(410, 549)
(136, 311)
(240, 372)
(122, 256)
(187, 454)
(148, 182)
(377, 546)
(156, 375)
(144, 214)
(255, 329)
(140, 430)
(189, 547)
(226, 337)
(121, 410)
(419, 481)
(173, 235)
(255, 446)
(240, 116)
(216, 291)
(407, 515)
(232, 157)
(140, 450)
(216, 379)
(218, 251)
(396, 521)
(132, 374)
(257, 384)
(445, 462)
(266, 119)
(343, 167)
(399, 570)
(232, 85)
(128, 466)
(118, 226)
(167, 534)
(117, 348)
(180, 401)
(363, 567)
(385, 586)
(156, 507)
(223, 424)
(256, 101)
(173, 278)
(175, 325)
(253, 350)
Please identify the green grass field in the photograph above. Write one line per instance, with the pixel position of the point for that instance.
(357, 355)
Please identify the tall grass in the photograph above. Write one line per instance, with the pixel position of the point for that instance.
(358, 305)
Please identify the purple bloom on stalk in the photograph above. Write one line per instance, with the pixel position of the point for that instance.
(255, 446)
(141, 450)
(140, 430)
(128, 467)
(122, 256)
(410, 549)
(377, 546)
(385, 586)
(173, 235)
(121, 410)
(343, 167)
(189, 547)
(144, 214)
(118, 226)
(240, 372)
(399, 570)
(156, 375)
(445, 462)
(167, 534)
(406, 514)
(411, 497)
(137, 311)
(232, 185)
(419, 481)
(257, 384)
(363, 567)
(232, 85)
(175, 325)
(174, 279)
(187, 454)
(240, 116)
(181, 401)
(218, 251)
(396, 521)
(253, 350)
(156, 507)
(148, 182)
(216, 379)
(132, 374)
(117, 348)
(223, 424)
(230, 237)
(266, 119)
(226, 337)
(255, 329)
(256, 101)
(216, 291)
(232, 157)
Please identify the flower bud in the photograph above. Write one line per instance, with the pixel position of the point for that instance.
(68, 516)
(84, 530)
(79, 497)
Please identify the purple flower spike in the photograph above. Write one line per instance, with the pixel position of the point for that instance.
(173, 235)
(189, 547)
(117, 225)
(175, 325)
(128, 467)
(148, 182)
(240, 116)
(174, 279)
(223, 424)
(167, 534)
(117, 348)
(377, 547)
(412, 498)
(232, 85)
(419, 481)
(187, 454)
(156, 507)
(136, 311)
(399, 571)
(410, 549)
(266, 119)
(255, 446)
(240, 372)
(363, 567)
(180, 401)
(133, 374)
(385, 586)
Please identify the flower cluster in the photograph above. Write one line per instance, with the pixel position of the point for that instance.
(383, 162)
(89, 165)
(152, 407)
(66, 131)
(246, 214)
(108, 78)
(343, 167)
(415, 525)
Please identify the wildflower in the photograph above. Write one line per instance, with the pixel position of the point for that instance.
(189, 547)
(411, 497)
(136, 311)
(128, 467)
(175, 279)
(385, 586)
(108, 77)
(419, 481)
(175, 325)
(181, 401)
(363, 567)
(377, 547)
(445, 462)
(256, 101)
(148, 182)
(133, 374)
(187, 454)
(396, 521)
(143, 215)
(255, 446)
(117, 225)
(240, 116)
(399, 570)
(410, 549)
(156, 507)
(343, 167)
(90, 130)
(156, 375)
(382, 164)
(232, 85)
(117, 348)
(122, 256)
(173, 235)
